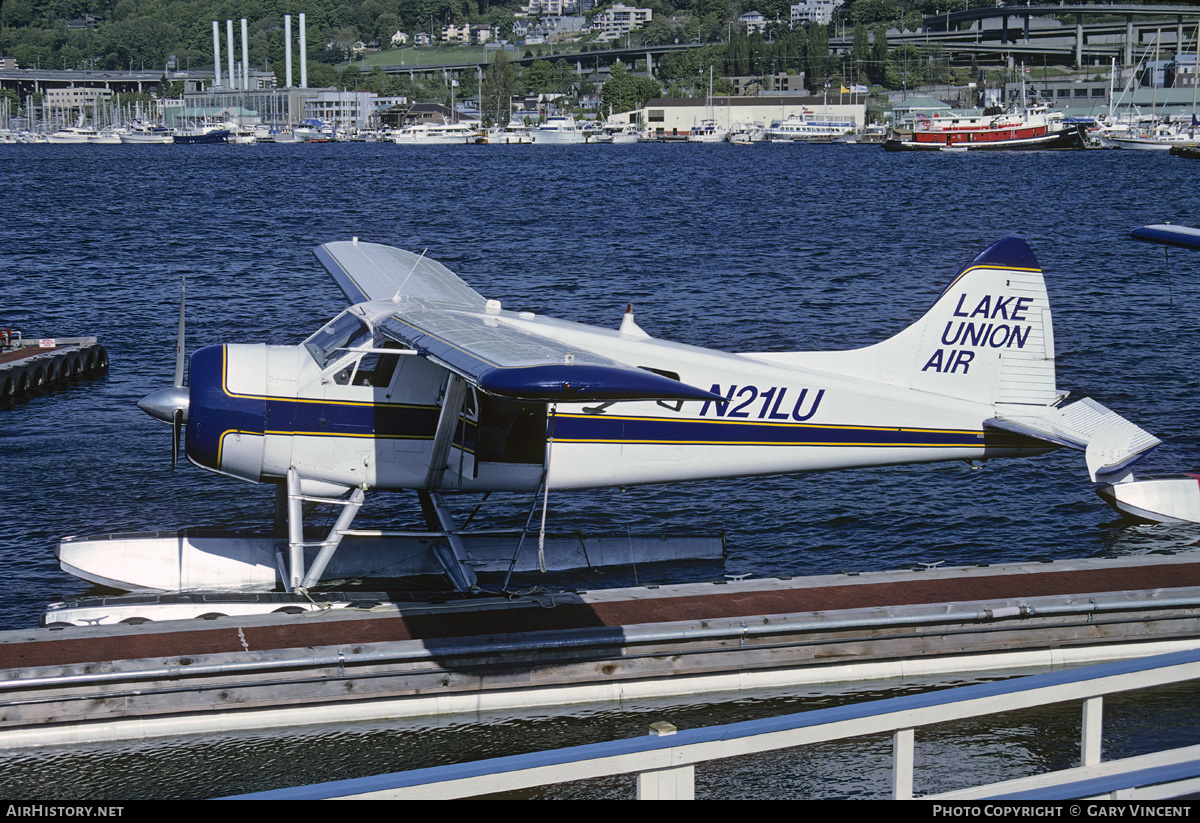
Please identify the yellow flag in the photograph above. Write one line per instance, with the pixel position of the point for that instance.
(845, 90)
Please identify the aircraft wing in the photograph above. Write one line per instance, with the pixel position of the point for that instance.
(424, 305)
(1168, 235)
(369, 271)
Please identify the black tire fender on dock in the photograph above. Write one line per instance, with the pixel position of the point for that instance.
(73, 365)
(101, 359)
(37, 377)
(53, 369)
(21, 382)
(7, 388)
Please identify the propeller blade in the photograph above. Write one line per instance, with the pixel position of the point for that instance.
(176, 431)
(179, 345)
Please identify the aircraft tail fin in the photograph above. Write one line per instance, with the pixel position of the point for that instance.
(988, 337)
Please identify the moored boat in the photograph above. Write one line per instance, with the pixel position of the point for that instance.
(512, 134)
(202, 136)
(71, 135)
(810, 128)
(1160, 137)
(709, 132)
(147, 133)
(434, 134)
(559, 130)
(1032, 128)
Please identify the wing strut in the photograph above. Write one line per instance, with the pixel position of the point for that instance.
(443, 438)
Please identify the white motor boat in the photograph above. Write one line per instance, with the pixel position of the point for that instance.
(435, 134)
(559, 131)
(709, 132)
(508, 135)
(72, 135)
(811, 128)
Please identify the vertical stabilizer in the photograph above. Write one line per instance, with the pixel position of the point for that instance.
(988, 338)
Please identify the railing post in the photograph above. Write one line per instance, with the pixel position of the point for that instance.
(667, 784)
(902, 764)
(1089, 746)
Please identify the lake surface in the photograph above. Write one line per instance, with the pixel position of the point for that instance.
(763, 248)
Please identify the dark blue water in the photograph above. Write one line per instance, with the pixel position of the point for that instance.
(766, 248)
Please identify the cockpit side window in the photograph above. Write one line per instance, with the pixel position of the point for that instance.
(376, 368)
(344, 331)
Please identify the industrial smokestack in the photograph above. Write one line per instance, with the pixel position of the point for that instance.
(245, 59)
(303, 55)
(229, 51)
(217, 53)
(287, 27)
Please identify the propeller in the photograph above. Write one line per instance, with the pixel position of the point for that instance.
(171, 405)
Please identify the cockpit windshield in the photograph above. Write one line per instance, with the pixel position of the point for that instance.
(342, 332)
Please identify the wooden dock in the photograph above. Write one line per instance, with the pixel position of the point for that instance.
(466, 655)
(31, 366)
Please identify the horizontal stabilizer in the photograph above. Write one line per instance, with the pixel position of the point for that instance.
(1112, 443)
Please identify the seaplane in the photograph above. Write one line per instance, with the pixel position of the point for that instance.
(1158, 498)
(425, 384)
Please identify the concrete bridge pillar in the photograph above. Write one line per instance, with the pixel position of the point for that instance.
(1025, 41)
(1004, 29)
(1128, 39)
(650, 60)
(1178, 35)
(1078, 40)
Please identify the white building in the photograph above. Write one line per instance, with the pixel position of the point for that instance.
(753, 21)
(616, 21)
(76, 97)
(399, 38)
(814, 11)
(536, 8)
(344, 109)
(456, 34)
(677, 117)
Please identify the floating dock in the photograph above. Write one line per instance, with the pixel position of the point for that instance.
(28, 366)
(375, 657)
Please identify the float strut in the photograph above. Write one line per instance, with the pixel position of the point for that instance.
(452, 554)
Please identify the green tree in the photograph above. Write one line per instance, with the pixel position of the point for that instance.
(499, 86)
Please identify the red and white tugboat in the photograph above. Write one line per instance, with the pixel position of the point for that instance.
(1020, 129)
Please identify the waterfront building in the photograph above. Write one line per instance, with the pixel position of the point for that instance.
(343, 109)
(76, 97)
(677, 117)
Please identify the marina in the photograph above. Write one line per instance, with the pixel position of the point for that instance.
(709, 275)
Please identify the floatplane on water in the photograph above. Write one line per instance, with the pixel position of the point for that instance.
(424, 384)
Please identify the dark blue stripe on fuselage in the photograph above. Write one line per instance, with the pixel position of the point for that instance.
(603, 429)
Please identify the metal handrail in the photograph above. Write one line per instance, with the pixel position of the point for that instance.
(665, 762)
